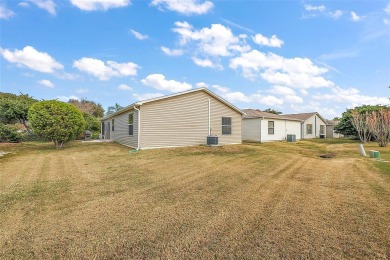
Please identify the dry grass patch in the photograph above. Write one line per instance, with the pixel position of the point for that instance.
(241, 201)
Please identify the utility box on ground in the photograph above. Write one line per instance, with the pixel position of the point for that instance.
(291, 138)
(212, 140)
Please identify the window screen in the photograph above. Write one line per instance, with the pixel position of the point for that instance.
(226, 125)
(131, 126)
(271, 127)
(309, 129)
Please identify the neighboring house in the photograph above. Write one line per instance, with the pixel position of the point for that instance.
(181, 119)
(262, 126)
(330, 132)
(313, 126)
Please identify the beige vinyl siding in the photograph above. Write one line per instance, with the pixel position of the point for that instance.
(330, 132)
(251, 129)
(121, 129)
(311, 121)
(219, 110)
(183, 120)
(316, 121)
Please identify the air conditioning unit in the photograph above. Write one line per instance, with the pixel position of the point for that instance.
(291, 138)
(212, 140)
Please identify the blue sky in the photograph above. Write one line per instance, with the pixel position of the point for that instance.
(293, 56)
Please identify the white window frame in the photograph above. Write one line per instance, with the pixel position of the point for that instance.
(307, 129)
(227, 126)
(132, 125)
(271, 128)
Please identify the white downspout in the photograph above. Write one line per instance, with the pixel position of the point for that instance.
(209, 118)
(139, 127)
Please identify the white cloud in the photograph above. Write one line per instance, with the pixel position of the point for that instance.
(33, 59)
(106, 70)
(67, 98)
(46, 83)
(237, 96)
(206, 63)
(355, 17)
(221, 89)
(387, 9)
(201, 85)
(187, 7)
(82, 90)
(319, 8)
(386, 21)
(314, 11)
(217, 40)
(336, 14)
(277, 70)
(171, 52)
(47, 5)
(294, 99)
(159, 82)
(351, 97)
(139, 35)
(286, 93)
(5, 13)
(146, 96)
(274, 41)
(24, 4)
(125, 87)
(281, 90)
(94, 5)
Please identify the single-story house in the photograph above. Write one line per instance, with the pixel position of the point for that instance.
(263, 127)
(181, 119)
(313, 124)
(330, 132)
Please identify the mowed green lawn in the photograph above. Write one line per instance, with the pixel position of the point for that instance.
(270, 200)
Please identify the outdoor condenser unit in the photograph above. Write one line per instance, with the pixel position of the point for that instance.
(291, 138)
(212, 140)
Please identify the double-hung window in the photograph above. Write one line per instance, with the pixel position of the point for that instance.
(322, 129)
(226, 125)
(112, 125)
(271, 127)
(309, 129)
(130, 122)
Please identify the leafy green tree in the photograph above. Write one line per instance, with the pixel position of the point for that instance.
(91, 122)
(113, 109)
(272, 111)
(345, 125)
(9, 134)
(56, 121)
(87, 106)
(14, 108)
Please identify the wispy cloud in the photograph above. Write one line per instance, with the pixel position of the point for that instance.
(341, 54)
(5, 13)
(355, 17)
(233, 24)
(139, 35)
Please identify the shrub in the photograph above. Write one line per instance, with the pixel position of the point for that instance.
(91, 123)
(56, 121)
(9, 134)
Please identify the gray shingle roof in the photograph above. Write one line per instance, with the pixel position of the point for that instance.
(304, 116)
(256, 113)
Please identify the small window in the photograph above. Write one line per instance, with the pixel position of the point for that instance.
(322, 129)
(131, 126)
(309, 129)
(112, 124)
(271, 127)
(226, 125)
